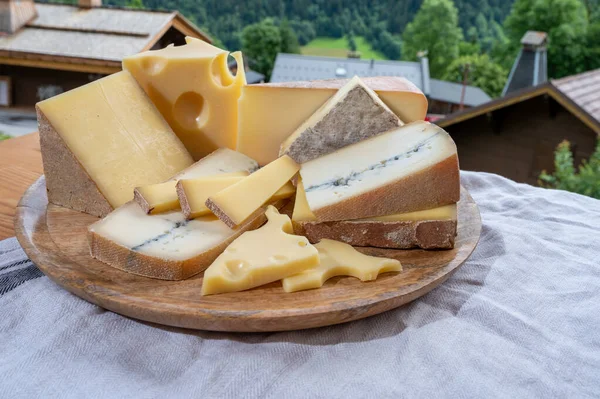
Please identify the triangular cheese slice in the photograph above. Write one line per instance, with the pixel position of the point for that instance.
(260, 257)
(353, 114)
(339, 259)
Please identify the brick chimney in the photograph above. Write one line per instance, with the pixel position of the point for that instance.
(531, 66)
(89, 3)
(14, 14)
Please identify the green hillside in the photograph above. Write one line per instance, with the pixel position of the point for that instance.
(332, 47)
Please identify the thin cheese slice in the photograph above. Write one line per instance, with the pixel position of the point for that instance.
(235, 203)
(166, 245)
(339, 259)
(353, 114)
(260, 257)
(412, 168)
(270, 113)
(194, 193)
(193, 89)
(101, 140)
(162, 197)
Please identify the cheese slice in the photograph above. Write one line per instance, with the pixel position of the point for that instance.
(414, 167)
(194, 193)
(235, 203)
(428, 229)
(101, 140)
(162, 197)
(353, 114)
(193, 89)
(270, 113)
(260, 257)
(166, 245)
(339, 259)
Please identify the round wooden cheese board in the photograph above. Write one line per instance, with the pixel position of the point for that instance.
(55, 239)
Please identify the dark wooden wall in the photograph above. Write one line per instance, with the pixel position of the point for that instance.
(518, 141)
(26, 81)
(442, 107)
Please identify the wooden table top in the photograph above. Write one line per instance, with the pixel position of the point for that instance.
(20, 166)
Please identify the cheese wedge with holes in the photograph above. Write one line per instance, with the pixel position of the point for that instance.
(101, 140)
(270, 113)
(166, 245)
(353, 114)
(412, 168)
(428, 229)
(235, 203)
(193, 89)
(162, 197)
(339, 259)
(259, 257)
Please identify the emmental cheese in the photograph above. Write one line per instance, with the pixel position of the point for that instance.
(162, 197)
(166, 245)
(269, 113)
(339, 259)
(260, 257)
(193, 89)
(428, 229)
(353, 114)
(235, 203)
(414, 167)
(101, 140)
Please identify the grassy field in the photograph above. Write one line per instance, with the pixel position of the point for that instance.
(4, 136)
(331, 47)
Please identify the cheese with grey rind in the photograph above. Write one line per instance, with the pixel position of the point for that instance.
(408, 169)
(166, 245)
(353, 114)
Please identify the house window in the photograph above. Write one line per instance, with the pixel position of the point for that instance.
(46, 91)
(5, 91)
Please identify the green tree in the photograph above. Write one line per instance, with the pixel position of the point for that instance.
(434, 29)
(289, 40)
(565, 21)
(483, 73)
(260, 43)
(351, 41)
(586, 181)
(135, 4)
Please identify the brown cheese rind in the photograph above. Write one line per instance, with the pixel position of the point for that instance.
(429, 234)
(183, 201)
(355, 118)
(134, 262)
(139, 198)
(67, 182)
(429, 188)
(225, 218)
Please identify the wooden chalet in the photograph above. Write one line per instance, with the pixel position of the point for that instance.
(46, 49)
(516, 135)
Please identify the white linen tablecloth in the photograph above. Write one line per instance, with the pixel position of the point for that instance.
(520, 319)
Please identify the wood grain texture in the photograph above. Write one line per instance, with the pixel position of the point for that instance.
(20, 166)
(55, 239)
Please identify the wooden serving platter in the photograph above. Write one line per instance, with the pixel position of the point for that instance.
(55, 239)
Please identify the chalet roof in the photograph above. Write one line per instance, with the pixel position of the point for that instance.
(98, 35)
(579, 94)
(584, 90)
(296, 67)
(451, 92)
(253, 77)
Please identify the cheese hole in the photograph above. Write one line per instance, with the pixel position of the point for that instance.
(302, 243)
(190, 110)
(236, 268)
(220, 72)
(279, 258)
(153, 65)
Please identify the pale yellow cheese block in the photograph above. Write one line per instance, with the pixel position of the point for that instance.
(236, 203)
(194, 90)
(101, 140)
(269, 113)
(162, 197)
(259, 257)
(339, 259)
